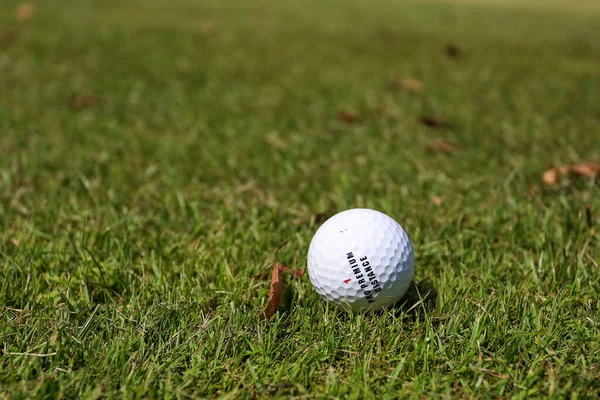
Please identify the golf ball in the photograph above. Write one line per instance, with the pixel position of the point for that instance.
(361, 259)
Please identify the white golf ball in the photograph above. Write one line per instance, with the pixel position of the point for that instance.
(361, 259)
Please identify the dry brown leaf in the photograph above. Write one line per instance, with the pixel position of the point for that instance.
(452, 50)
(15, 242)
(589, 169)
(411, 85)
(433, 122)
(553, 174)
(80, 101)
(437, 200)
(550, 176)
(348, 117)
(441, 146)
(7, 36)
(207, 27)
(260, 18)
(275, 293)
(25, 11)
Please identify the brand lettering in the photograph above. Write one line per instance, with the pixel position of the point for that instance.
(367, 280)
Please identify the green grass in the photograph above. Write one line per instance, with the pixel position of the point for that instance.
(130, 232)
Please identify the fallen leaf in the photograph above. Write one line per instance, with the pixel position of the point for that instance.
(261, 18)
(441, 146)
(550, 176)
(348, 117)
(15, 242)
(207, 27)
(452, 50)
(553, 175)
(590, 169)
(25, 11)
(411, 85)
(433, 121)
(7, 36)
(80, 101)
(437, 200)
(275, 293)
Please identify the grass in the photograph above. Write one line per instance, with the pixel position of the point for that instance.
(130, 231)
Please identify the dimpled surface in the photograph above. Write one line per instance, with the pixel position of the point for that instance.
(361, 259)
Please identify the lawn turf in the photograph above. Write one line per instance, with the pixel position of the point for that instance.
(131, 227)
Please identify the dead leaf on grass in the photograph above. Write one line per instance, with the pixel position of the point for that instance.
(207, 27)
(434, 122)
(348, 117)
(442, 146)
(7, 36)
(412, 85)
(437, 200)
(15, 242)
(276, 289)
(81, 101)
(453, 51)
(275, 293)
(554, 174)
(25, 12)
(550, 176)
(260, 18)
(589, 169)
